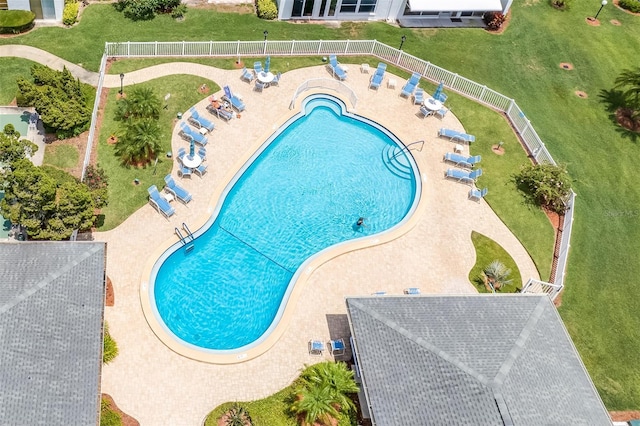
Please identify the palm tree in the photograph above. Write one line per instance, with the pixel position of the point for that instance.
(140, 142)
(316, 403)
(495, 275)
(140, 103)
(338, 377)
(238, 416)
(630, 81)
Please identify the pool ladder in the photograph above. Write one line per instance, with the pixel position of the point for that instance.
(187, 239)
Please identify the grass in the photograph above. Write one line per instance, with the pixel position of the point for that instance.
(61, 156)
(12, 68)
(599, 301)
(270, 411)
(487, 251)
(124, 196)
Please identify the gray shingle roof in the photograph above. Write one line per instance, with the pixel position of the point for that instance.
(470, 360)
(51, 310)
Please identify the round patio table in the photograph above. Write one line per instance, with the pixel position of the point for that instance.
(192, 162)
(265, 77)
(432, 104)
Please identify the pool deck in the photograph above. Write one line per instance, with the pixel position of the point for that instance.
(157, 386)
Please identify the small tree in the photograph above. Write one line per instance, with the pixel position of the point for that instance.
(141, 102)
(495, 276)
(96, 180)
(238, 416)
(547, 185)
(110, 348)
(140, 142)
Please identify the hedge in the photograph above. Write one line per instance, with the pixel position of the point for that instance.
(267, 9)
(631, 5)
(16, 21)
(70, 13)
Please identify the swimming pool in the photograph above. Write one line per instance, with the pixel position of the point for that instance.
(19, 121)
(301, 194)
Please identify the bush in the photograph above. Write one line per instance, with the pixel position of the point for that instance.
(267, 9)
(70, 13)
(110, 350)
(630, 5)
(108, 417)
(145, 10)
(561, 4)
(16, 21)
(179, 11)
(494, 20)
(546, 184)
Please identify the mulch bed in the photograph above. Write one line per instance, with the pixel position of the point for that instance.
(127, 420)
(110, 296)
(624, 416)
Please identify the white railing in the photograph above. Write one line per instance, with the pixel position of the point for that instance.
(94, 118)
(452, 81)
(325, 83)
(537, 286)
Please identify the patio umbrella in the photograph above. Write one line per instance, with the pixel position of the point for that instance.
(438, 91)
(267, 63)
(192, 148)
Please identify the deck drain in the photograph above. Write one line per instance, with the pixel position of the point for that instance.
(615, 22)
(566, 66)
(581, 94)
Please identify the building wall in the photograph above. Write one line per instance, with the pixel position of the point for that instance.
(18, 5)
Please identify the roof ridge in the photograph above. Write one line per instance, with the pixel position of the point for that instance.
(426, 345)
(51, 276)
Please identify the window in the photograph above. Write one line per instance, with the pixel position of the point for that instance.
(348, 6)
(367, 6)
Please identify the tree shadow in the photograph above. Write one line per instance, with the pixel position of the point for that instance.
(613, 100)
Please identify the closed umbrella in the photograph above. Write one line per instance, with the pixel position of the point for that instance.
(267, 64)
(192, 148)
(436, 94)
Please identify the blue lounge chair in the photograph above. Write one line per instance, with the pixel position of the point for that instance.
(247, 75)
(159, 203)
(178, 192)
(316, 347)
(235, 102)
(412, 290)
(257, 67)
(187, 133)
(378, 76)
(220, 112)
(411, 85)
(336, 70)
(477, 194)
(337, 347)
(463, 175)
(455, 135)
(200, 170)
(418, 96)
(198, 121)
(461, 160)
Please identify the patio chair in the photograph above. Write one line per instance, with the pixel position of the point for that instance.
(418, 96)
(159, 203)
(316, 347)
(181, 153)
(202, 153)
(461, 160)
(425, 112)
(176, 190)
(443, 97)
(477, 194)
(455, 135)
(412, 290)
(257, 67)
(259, 86)
(276, 79)
(184, 172)
(337, 347)
(235, 102)
(336, 70)
(463, 175)
(247, 75)
(188, 133)
(198, 121)
(200, 170)
(442, 112)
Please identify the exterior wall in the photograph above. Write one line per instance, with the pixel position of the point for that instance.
(18, 5)
(59, 7)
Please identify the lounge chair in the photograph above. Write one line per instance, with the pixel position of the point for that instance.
(336, 69)
(425, 111)
(337, 347)
(200, 170)
(159, 203)
(235, 102)
(461, 160)
(188, 133)
(176, 190)
(198, 121)
(257, 67)
(442, 112)
(247, 75)
(418, 96)
(378, 76)
(477, 194)
(463, 175)
(412, 290)
(455, 135)
(316, 347)
(410, 86)
(220, 112)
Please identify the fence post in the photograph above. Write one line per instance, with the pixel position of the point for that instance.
(373, 46)
(211, 48)
(319, 46)
(508, 111)
(426, 68)
(128, 48)
(346, 47)
(484, 89)
(399, 55)
(455, 78)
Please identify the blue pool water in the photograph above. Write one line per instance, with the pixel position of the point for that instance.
(302, 193)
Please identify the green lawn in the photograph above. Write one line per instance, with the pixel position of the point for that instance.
(124, 196)
(12, 68)
(61, 156)
(522, 63)
(487, 251)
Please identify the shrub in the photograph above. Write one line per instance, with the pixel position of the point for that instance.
(110, 350)
(561, 4)
(108, 417)
(494, 20)
(267, 9)
(179, 11)
(630, 5)
(70, 13)
(546, 184)
(495, 276)
(16, 21)
(166, 6)
(145, 10)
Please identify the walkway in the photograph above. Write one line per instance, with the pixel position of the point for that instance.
(157, 386)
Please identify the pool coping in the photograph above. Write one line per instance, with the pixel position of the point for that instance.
(309, 265)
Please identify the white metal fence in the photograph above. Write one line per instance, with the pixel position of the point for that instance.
(452, 81)
(325, 83)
